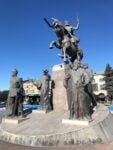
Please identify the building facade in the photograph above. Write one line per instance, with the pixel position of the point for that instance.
(30, 88)
(99, 84)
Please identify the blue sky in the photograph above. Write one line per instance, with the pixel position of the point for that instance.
(25, 37)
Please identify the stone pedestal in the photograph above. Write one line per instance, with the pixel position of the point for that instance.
(75, 122)
(48, 130)
(13, 121)
(59, 92)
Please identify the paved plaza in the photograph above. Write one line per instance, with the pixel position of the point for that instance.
(109, 146)
(4, 145)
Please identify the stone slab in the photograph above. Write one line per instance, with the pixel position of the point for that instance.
(39, 111)
(75, 122)
(13, 121)
(111, 112)
(59, 91)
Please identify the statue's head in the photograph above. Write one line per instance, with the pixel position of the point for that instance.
(66, 23)
(45, 72)
(55, 22)
(14, 72)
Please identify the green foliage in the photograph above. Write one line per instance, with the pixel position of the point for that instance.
(109, 79)
(3, 96)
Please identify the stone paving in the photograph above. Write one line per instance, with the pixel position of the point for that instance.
(7, 146)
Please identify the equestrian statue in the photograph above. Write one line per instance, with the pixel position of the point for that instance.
(66, 40)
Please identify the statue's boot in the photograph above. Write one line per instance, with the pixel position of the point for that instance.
(61, 55)
(67, 58)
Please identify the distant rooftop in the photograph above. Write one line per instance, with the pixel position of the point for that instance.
(98, 73)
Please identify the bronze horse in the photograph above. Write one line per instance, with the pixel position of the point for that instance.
(70, 50)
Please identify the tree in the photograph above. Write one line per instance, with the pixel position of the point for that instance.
(3, 95)
(109, 80)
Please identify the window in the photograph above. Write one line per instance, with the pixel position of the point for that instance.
(93, 81)
(101, 79)
(102, 86)
(32, 91)
(95, 87)
(26, 91)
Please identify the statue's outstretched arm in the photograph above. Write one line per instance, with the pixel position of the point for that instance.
(47, 22)
(78, 24)
(87, 78)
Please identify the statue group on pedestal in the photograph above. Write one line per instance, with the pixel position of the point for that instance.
(14, 106)
(78, 77)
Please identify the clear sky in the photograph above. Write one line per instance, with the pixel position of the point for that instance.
(25, 37)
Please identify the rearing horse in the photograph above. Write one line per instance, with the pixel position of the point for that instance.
(70, 50)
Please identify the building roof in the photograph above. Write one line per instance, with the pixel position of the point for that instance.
(98, 73)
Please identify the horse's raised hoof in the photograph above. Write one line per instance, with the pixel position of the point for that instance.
(51, 47)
